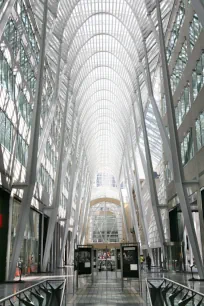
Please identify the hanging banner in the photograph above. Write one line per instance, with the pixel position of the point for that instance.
(130, 261)
(84, 261)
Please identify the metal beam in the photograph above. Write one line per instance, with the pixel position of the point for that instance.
(131, 203)
(151, 180)
(124, 215)
(143, 160)
(178, 172)
(32, 154)
(49, 121)
(86, 216)
(138, 193)
(77, 211)
(71, 194)
(57, 187)
(83, 207)
(162, 129)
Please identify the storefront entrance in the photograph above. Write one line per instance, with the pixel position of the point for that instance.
(175, 259)
(29, 256)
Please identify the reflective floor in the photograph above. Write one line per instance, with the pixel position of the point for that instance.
(107, 293)
(106, 288)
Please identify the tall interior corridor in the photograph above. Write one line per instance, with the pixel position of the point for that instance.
(101, 151)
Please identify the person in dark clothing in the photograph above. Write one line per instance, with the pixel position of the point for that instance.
(149, 261)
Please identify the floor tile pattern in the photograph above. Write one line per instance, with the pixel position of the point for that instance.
(106, 293)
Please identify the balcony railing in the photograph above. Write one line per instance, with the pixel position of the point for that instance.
(47, 292)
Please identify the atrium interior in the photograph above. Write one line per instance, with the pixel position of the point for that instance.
(101, 151)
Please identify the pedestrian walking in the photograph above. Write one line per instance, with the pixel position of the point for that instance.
(149, 261)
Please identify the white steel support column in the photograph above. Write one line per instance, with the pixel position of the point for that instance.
(143, 160)
(76, 216)
(71, 194)
(49, 121)
(57, 187)
(140, 202)
(123, 214)
(32, 154)
(158, 117)
(152, 185)
(83, 199)
(83, 207)
(131, 202)
(178, 172)
(86, 215)
(67, 157)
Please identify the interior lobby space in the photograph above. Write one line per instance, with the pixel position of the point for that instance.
(101, 152)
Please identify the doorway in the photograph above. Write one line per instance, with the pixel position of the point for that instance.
(106, 264)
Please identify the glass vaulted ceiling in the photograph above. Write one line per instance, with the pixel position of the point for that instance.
(101, 51)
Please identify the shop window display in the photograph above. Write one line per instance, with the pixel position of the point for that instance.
(30, 247)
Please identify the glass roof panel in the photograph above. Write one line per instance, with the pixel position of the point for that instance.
(102, 54)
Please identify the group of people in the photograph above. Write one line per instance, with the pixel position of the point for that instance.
(148, 261)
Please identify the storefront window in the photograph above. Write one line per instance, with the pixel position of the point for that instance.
(30, 247)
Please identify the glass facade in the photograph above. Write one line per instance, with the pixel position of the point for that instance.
(198, 76)
(183, 106)
(105, 223)
(6, 131)
(194, 30)
(179, 67)
(176, 30)
(187, 148)
(19, 59)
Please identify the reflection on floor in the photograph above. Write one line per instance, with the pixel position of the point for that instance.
(106, 289)
(104, 292)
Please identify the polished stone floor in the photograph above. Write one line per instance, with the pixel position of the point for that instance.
(104, 292)
(106, 288)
